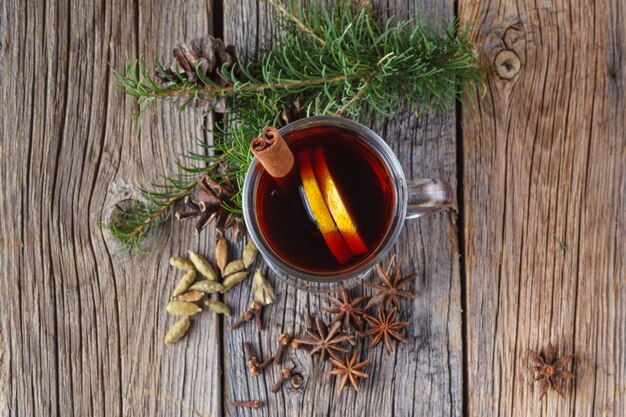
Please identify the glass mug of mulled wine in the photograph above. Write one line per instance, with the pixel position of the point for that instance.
(338, 205)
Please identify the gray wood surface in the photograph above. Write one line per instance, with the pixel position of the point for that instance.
(422, 378)
(545, 156)
(81, 328)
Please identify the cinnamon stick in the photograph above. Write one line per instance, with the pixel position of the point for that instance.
(273, 152)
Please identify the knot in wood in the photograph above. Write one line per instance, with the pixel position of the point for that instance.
(296, 381)
(507, 64)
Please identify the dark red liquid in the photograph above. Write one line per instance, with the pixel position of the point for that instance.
(363, 182)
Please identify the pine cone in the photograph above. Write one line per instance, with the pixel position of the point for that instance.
(208, 207)
(206, 54)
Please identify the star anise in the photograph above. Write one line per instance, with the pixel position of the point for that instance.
(548, 370)
(385, 328)
(326, 341)
(390, 290)
(349, 370)
(347, 311)
(208, 206)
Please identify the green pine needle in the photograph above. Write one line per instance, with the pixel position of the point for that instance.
(336, 60)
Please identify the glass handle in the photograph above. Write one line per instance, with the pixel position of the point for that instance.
(427, 196)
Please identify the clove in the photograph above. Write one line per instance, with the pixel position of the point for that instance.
(254, 404)
(285, 373)
(256, 307)
(253, 312)
(284, 340)
(252, 361)
(246, 316)
(310, 325)
(266, 363)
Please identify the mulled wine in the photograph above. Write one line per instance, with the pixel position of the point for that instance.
(332, 211)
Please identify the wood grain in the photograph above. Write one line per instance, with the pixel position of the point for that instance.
(545, 160)
(421, 378)
(82, 328)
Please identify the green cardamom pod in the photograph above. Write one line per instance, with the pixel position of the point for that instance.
(218, 307)
(262, 289)
(191, 296)
(206, 286)
(233, 279)
(178, 330)
(221, 254)
(232, 267)
(203, 266)
(181, 263)
(185, 282)
(182, 308)
(249, 253)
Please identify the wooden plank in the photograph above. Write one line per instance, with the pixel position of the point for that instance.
(545, 158)
(421, 378)
(81, 329)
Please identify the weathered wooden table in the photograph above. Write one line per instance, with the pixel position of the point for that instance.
(541, 158)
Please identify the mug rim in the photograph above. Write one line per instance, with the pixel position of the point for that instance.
(335, 278)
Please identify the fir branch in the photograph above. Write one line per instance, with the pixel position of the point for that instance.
(406, 59)
(131, 225)
(362, 91)
(337, 60)
(137, 83)
(293, 18)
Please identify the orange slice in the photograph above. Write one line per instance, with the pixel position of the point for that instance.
(336, 205)
(322, 216)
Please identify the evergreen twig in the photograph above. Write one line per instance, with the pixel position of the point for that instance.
(336, 60)
(293, 18)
